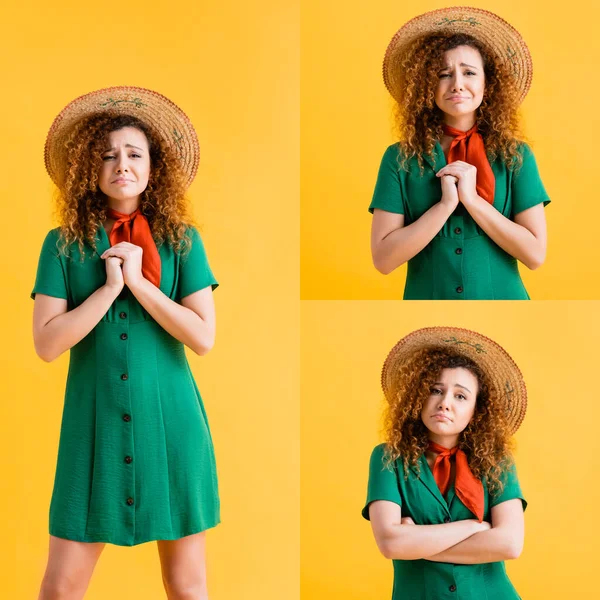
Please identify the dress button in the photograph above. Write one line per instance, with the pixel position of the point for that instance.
(126, 417)
(123, 336)
(459, 289)
(452, 588)
(123, 315)
(130, 501)
(458, 231)
(128, 459)
(124, 376)
(458, 251)
(447, 519)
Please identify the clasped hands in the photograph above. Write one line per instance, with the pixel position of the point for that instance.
(131, 261)
(459, 178)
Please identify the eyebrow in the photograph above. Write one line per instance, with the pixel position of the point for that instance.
(462, 65)
(455, 385)
(127, 146)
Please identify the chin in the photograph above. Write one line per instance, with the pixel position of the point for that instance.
(456, 111)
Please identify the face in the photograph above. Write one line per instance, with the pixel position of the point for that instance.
(125, 164)
(450, 405)
(461, 82)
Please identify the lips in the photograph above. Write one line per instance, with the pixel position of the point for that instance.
(441, 417)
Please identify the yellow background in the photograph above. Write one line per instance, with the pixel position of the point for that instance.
(346, 126)
(233, 67)
(344, 345)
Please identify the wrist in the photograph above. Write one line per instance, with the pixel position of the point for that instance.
(114, 288)
(137, 284)
(469, 198)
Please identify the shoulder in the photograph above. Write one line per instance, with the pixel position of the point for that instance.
(51, 240)
(192, 233)
(524, 149)
(393, 153)
(507, 473)
(380, 460)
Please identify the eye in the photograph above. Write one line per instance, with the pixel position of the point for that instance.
(107, 157)
(443, 75)
(136, 155)
(435, 391)
(470, 73)
(461, 396)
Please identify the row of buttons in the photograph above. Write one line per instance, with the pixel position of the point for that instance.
(452, 588)
(459, 289)
(126, 417)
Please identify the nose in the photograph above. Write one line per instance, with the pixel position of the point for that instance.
(444, 401)
(457, 83)
(121, 164)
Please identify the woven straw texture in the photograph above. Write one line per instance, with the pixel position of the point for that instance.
(149, 106)
(504, 374)
(494, 32)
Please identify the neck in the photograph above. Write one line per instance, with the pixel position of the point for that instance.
(461, 122)
(447, 441)
(126, 206)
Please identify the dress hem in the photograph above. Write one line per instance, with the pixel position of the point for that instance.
(108, 539)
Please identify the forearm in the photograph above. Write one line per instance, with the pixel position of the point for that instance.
(486, 546)
(412, 542)
(402, 244)
(181, 322)
(67, 329)
(513, 238)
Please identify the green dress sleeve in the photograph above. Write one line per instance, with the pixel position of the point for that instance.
(388, 191)
(383, 482)
(511, 490)
(50, 278)
(194, 271)
(527, 187)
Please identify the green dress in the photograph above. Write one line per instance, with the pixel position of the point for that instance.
(461, 262)
(135, 459)
(421, 499)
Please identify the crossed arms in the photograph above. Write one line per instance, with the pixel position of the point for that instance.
(461, 542)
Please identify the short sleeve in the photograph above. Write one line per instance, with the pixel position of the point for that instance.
(511, 489)
(50, 278)
(527, 187)
(388, 192)
(383, 482)
(194, 271)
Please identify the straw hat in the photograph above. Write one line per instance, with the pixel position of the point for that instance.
(149, 106)
(485, 26)
(491, 358)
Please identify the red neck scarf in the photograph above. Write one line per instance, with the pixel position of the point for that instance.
(468, 488)
(468, 146)
(134, 228)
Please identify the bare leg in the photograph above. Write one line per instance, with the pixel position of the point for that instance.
(69, 569)
(183, 564)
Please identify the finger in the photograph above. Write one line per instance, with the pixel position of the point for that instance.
(113, 252)
(449, 171)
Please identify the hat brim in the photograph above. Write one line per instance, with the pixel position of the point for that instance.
(504, 374)
(171, 123)
(493, 31)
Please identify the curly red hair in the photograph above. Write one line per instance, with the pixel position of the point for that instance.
(486, 439)
(81, 205)
(419, 120)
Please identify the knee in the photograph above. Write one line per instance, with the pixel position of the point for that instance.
(61, 587)
(185, 587)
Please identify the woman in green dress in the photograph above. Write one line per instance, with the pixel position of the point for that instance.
(443, 497)
(459, 197)
(124, 284)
